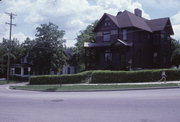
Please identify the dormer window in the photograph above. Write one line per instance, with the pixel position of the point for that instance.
(124, 34)
(106, 36)
(107, 23)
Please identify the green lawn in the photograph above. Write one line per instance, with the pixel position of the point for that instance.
(89, 87)
(3, 82)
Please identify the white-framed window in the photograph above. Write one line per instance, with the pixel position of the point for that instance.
(106, 36)
(124, 31)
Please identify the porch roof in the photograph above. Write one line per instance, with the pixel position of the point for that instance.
(108, 44)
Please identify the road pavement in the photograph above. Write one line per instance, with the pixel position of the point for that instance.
(160, 105)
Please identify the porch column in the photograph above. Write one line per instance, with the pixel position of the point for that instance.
(85, 59)
(22, 71)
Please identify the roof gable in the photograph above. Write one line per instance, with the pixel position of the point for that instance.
(111, 17)
(157, 24)
(127, 19)
(124, 20)
(138, 22)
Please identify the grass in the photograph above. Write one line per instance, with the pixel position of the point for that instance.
(90, 87)
(2, 82)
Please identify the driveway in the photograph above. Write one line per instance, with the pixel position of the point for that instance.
(161, 105)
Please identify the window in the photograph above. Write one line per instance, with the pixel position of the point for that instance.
(17, 70)
(162, 34)
(69, 70)
(107, 24)
(108, 56)
(124, 34)
(106, 36)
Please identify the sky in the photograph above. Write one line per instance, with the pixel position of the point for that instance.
(74, 15)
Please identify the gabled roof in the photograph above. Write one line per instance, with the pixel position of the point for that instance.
(125, 43)
(127, 19)
(113, 18)
(108, 44)
(69, 53)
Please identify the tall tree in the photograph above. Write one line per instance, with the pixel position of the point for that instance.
(15, 54)
(176, 53)
(47, 49)
(86, 35)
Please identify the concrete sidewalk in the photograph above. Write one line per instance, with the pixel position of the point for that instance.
(142, 83)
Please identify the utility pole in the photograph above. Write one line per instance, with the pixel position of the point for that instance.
(11, 15)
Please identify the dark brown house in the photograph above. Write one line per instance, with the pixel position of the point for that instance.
(128, 40)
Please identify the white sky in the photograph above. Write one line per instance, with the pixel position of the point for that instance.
(74, 15)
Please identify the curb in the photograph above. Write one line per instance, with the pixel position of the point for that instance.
(103, 90)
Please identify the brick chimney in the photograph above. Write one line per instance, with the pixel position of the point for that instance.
(138, 12)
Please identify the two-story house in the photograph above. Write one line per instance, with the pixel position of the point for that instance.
(128, 40)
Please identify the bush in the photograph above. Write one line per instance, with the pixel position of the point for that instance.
(132, 76)
(60, 79)
(106, 76)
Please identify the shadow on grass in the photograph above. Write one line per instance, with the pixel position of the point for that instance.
(51, 89)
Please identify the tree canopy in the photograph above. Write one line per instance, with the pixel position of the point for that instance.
(176, 53)
(86, 35)
(15, 53)
(46, 51)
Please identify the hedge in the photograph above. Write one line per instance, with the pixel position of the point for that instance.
(106, 77)
(133, 76)
(60, 79)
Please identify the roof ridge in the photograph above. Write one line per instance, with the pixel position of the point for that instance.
(128, 16)
(159, 18)
(116, 23)
(135, 15)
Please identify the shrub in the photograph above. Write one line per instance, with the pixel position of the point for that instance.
(132, 76)
(60, 79)
(106, 76)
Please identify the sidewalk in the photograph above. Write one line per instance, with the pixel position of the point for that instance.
(142, 83)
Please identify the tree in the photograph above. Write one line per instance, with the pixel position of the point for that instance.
(86, 35)
(176, 53)
(15, 54)
(47, 49)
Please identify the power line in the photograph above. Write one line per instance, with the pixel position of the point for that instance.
(11, 15)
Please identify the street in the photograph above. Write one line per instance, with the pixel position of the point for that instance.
(160, 105)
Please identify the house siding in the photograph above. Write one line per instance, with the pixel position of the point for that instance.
(145, 45)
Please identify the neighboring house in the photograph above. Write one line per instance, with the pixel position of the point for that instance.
(21, 71)
(24, 69)
(71, 66)
(128, 40)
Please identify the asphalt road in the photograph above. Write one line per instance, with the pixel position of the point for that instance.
(161, 105)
